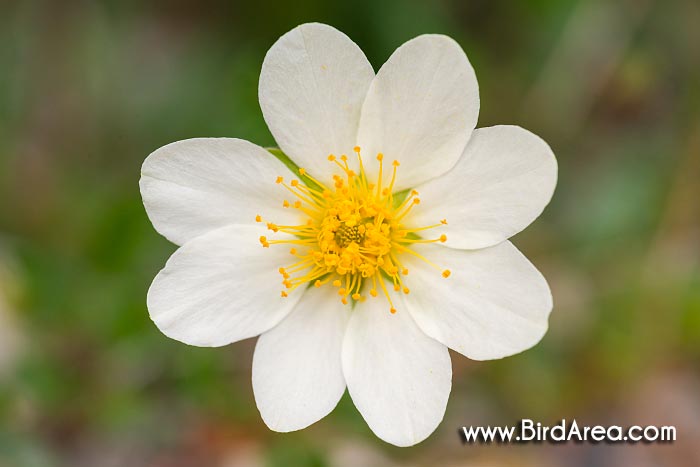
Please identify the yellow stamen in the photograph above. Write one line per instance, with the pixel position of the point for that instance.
(351, 234)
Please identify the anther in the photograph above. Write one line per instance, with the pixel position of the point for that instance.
(380, 156)
(446, 273)
(392, 310)
(302, 171)
(279, 180)
(284, 294)
(356, 149)
(295, 182)
(258, 218)
(443, 238)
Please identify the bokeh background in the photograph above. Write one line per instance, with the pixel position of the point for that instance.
(89, 88)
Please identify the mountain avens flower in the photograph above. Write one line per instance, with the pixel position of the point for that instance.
(374, 243)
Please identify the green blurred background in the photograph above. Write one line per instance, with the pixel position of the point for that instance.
(89, 88)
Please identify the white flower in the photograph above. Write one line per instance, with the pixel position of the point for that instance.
(265, 251)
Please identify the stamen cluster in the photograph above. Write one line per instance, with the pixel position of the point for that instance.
(353, 234)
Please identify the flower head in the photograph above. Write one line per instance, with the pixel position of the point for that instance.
(385, 246)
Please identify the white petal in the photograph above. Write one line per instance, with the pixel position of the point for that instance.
(312, 85)
(297, 374)
(420, 109)
(398, 378)
(494, 304)
(502, 182)
(197, 185)
(220, 287)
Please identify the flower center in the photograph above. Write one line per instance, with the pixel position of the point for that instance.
(354, 237)
(347, 234)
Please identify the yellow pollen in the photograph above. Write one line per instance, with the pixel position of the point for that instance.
(446, 273)
(352, 234)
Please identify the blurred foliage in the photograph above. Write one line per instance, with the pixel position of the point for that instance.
(89, 88)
